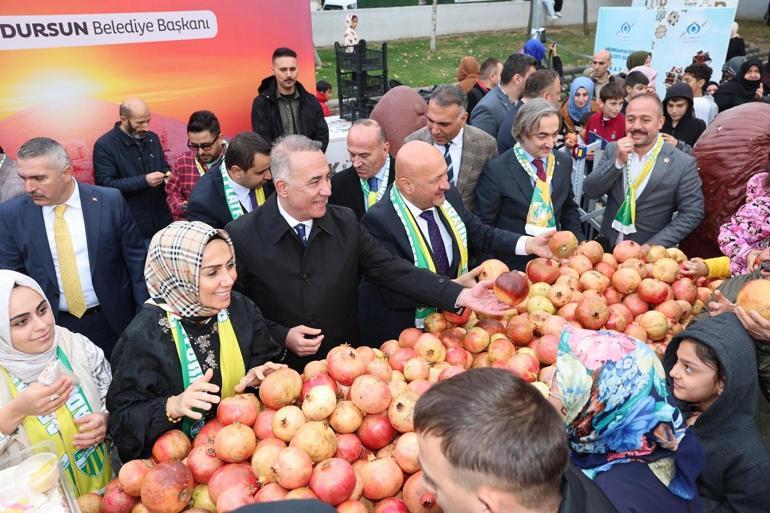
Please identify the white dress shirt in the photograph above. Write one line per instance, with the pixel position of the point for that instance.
(456, 152)
(293, 222)
(242, 193)
(73, 216)
(423, 225)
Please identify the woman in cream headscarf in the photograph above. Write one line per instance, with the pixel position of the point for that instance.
(192, 343)
(52, 386)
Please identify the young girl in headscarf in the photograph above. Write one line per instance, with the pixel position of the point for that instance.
(195, 341)
(623, 426)
(351, 36)
(576, 110)
(52, 386)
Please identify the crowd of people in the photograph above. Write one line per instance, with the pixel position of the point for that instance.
(166, 287)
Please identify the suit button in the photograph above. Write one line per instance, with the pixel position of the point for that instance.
(306, 277)
(442, 280)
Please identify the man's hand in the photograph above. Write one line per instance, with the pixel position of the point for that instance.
(624, 148)
(155, 178)
(303, 340)
(670, 139)
(92, 429)
(695, 268)
(481, 299)
(720, 305)
(468, 280)
(256, 375)
(756, 325)
(539, 245)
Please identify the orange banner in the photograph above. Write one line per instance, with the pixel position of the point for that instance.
(67, 65)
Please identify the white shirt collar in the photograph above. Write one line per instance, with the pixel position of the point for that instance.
(293, 222)
(381, 173)
(72, 202)
(415, 210)
(458, 140)
(239, 189)
(530, 158)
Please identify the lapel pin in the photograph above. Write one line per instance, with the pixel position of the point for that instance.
(94, 199)
(666, 160)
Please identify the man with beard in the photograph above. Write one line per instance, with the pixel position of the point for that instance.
(600, 72)
(646, 180)
(130, 158)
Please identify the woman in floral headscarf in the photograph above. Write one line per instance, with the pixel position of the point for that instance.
(192, 343)
(624, 428)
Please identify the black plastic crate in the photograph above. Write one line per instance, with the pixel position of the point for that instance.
(361, 85)
(360, 58)
(352, 109)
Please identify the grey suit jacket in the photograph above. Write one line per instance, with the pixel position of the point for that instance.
(673, 186)
(490, 111)
(478, 148)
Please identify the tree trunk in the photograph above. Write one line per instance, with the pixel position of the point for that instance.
(585, 17)
(433, 26)
(531, 13)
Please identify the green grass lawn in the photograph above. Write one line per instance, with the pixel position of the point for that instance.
(412, 62)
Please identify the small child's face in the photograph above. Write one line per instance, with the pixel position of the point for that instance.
(612, 107)
(635, 90)
(327, 94)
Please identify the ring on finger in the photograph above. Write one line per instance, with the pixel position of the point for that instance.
(54, 398)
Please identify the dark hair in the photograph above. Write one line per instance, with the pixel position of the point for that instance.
(242, 148)
(488, 67)
(538, 82)
(710, 83)
(650, 96)
(284, 52)
(611, 91)
(447, 95)
(700, 72)
(322, 86)
(636, 78)
(202, 120)
(508, 436)
(707, 355)
(516, 64)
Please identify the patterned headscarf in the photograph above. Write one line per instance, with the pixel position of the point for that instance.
(618, 409)
(575, 112)
(173, 265)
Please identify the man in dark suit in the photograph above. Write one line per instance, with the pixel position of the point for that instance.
(301, 261)
(671, 186)
(447, 230)
(365, 182)
(466, 149)
(516, 198)
(78, 241)
(241, 184)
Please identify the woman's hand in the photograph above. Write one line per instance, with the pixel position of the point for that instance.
(38, 399)
(695, 268)
(720, 305)
(256, 375)
(200, 395)
(92, 429)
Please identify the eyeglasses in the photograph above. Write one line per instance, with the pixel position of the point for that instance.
(204, 146)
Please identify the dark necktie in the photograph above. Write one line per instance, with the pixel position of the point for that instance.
(374, 184)
(540, 169)
(300, 229)
(448, 160)
(253, 198)
(436, 243)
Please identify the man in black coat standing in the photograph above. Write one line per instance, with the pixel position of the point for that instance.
(422, 193)
(301, 260)
(284, 107)
(238, 186)
(365, 182)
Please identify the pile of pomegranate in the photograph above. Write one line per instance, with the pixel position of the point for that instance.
(342, 431)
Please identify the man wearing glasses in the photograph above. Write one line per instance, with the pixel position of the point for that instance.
(600, 72)
(207, 151)
(130, 158)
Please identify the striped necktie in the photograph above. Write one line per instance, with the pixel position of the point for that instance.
(68, 268)
(448, 160)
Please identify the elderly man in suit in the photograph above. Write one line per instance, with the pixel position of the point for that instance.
(465, 148)
(422, 219)
(364, 183)
(528, 189)
(78, 241)
(646, 181)
(490, 111)
(239, 185)
(301, 260)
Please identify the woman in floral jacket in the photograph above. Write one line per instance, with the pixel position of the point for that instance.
(748, 231)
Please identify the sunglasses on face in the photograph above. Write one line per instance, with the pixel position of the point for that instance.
(204, 146)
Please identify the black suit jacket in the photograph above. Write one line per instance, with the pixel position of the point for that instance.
(505, 191)
(347, 192)
(317, 285)
(384, 313)
(207, 201)
(115, 249)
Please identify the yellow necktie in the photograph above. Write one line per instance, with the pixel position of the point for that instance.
(70, 278)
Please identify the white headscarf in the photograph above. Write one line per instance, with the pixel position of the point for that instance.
(27, 367)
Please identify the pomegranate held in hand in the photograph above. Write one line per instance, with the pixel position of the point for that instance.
(755, 295)
(563, 244)
(511, 287)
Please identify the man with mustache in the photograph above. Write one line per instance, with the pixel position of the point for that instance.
(647, 181)
(130, 158)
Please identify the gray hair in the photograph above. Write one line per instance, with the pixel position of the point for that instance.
(529, 116)
(280, 157)
(45, 147)
(370, 123)
(447, 95)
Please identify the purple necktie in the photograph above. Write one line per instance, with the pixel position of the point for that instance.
(540, 169)
(436, 243)
(253, 198)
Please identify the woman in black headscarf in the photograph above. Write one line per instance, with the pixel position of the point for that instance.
(744, 88)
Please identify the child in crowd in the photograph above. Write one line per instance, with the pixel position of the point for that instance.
(636, 84)
(681, 128)
(697, 76)
(712, 369)
(609, 123)
(323, 95)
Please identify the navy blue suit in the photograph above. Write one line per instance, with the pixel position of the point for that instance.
(207, 201)
(115, 248)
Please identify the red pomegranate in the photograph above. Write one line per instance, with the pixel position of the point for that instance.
(523, 365)
(345, 365)
(390, 505)
(563, 244)
(382, 478)
(352, 506)
(476, 340)
(333, 481)
(400, 356)
(171, 445)
(405, 453)
(605, 268)
(376, 431)
(592, 313)
(370, 394)
(238, 408)
(620, 317)
(627, 249)
(116, 500)
(271, 492)
(208, 432)
(131, 475)
(591, 250)
(417, 498)
(203, 462)
(321, 379)
(235, 443)
(653, 291)
(167, 487)
(685, 289)
(236, 497)
(452, 370)
(230, 474)
(314, 368)
(280, 388)
(543, 270)
(408, 337)
(401, 411)
(545, 349)
(635, 304)
(293, 468)
(594, 280)
(389, 347)
(458, 356)
(500, 349)
(511, 287)
(263, 426)
(367, 353)
(349, 447)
